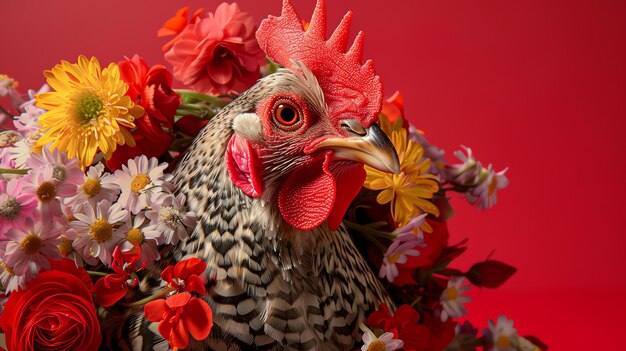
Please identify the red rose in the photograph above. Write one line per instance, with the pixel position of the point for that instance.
(54, 312)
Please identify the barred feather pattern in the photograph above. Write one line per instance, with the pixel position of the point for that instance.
(275, 288)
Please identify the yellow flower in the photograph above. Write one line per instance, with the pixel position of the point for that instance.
(87, 110)
(408, 192)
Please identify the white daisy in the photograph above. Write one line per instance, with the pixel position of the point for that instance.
(385, 342)
(96, 186)
(141, 181)
(95, 230)
(501, 335)
(21, 152)
(136, 231)
(28, 249)
(452, 299)
(9, 280)
(170, 217)
(466, 173)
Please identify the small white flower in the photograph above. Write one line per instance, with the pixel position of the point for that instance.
(97, 186)
(501, 335)
(385, 342)
(452, 299)
(170, 217)
(94, 230)
(9, 280)
(142, 181)
(21, 152)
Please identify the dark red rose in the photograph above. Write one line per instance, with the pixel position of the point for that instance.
(54, 312)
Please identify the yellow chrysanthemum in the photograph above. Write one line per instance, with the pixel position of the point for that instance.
(408, 192)
(87, 110)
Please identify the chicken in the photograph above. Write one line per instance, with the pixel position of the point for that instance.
(270, 178)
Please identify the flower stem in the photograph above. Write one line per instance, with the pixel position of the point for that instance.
(368, 230)
(97, 274)
(214, 100)
(145, 300)
(13, 171)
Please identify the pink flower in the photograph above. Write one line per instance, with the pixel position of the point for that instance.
(398, 252)
(15, 205)
(218, 53)
(27, 250)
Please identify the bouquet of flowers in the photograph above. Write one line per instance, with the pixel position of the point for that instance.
(89, 210)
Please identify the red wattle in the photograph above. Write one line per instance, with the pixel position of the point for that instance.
(349, 182)
(307, 195)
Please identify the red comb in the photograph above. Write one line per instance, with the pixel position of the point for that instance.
(351, 90)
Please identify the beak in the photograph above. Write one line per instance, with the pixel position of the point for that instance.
(369, 146)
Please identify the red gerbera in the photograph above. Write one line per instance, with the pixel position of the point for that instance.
(180, 315)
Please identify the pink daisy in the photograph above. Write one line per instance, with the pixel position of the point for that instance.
(48, 192)
(95, 230)
(65, 170)
(171, 218)
(15, 205)
(397, 253)
(28, 249)
(142, 181)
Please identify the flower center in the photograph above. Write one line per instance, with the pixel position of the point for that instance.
(393, 258)
(452, 293)
(89, 107)
(46, 192)
(65, 247)
(170, 216)
(10, 209)
(31, 244)
(135, 236)
(139, 182)
(492, 186)
(101, 230)
(58, 172)
(92, 187)
(376, 345)
(504, 342)
(6, 268)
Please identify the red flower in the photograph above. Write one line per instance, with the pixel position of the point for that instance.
(180, 315)
(149, 87)
(393, 107)
(54, 312)
(185, 276)
(218, 53)
(113, 287)
(403, 324)
(176, 24)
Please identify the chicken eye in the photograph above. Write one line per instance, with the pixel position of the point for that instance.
(287, 115)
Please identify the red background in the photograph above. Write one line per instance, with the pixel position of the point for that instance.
(536, 85)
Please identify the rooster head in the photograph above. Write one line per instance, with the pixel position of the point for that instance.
(313, 127)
